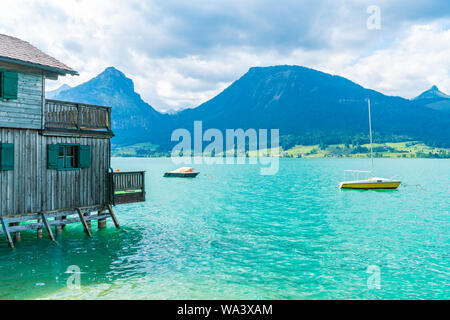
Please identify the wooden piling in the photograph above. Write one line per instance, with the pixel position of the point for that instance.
(58, 229)
(63, 218)
(101, 223)
(13, 226)
(39, 230)
(6, 233)
(16, 235)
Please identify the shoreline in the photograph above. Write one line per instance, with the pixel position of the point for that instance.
(391, 150)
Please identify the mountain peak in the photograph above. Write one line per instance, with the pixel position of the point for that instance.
(114, 79)
(64, 87)
(113, 71)
(432, 94)
(280, 68)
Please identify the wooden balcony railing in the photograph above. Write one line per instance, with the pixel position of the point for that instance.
(76, 116)
(127, 187)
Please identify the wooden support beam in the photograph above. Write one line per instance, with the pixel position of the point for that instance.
(47, 227)
(83, 221)
(6, 232)
(40, 224)
(88, 221)
(52, 214)
(113, 216)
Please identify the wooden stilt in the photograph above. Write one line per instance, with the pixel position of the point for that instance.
(88, 222)
(39, 230)
(63, 218)
(47, 227)
(6, 232)
(58, 229)
(16, 234)
(101, 223)
(83, 221)
(113, 216)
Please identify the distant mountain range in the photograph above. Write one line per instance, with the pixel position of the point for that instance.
(55, 93)
(133, 120)
(308, 106)
(435, 99)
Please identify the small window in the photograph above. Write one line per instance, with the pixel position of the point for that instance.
(68, 156)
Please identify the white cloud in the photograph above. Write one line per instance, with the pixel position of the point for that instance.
(412, 64)
(181, 54)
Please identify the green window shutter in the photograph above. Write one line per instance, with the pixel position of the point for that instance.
(84, 156)
(6, 156)
(68, 163)
(10, 81)
(52, 156)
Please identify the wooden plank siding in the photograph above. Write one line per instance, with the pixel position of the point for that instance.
(76, 116)
(26, 110)
(128, 187)
(32, 188)
(31, 123)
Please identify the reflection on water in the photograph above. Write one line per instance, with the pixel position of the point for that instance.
(37, 267)
(233, 233)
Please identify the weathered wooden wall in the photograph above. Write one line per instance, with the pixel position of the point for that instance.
(26, 111)
(31, 187)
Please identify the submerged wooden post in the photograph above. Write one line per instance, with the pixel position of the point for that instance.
(83, 221)
(63, 218)
(6, 232)
(101, 223)
(16, 234)
(58, 229)
(39, 230)
(88, 222)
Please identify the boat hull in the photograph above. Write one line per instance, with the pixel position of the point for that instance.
(181, 174)
(369, 185)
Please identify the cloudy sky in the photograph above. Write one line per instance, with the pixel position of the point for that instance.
(182, 53)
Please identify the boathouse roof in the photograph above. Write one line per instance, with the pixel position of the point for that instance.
(17, 51)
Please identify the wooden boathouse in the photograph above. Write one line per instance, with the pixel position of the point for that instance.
(54, 155)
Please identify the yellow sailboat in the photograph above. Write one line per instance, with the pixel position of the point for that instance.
(372, 182)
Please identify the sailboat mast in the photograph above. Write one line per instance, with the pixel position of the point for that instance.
(370, 129)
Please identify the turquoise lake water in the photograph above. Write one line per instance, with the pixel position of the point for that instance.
(233, 233)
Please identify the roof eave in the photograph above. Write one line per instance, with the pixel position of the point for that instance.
(40, 66)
